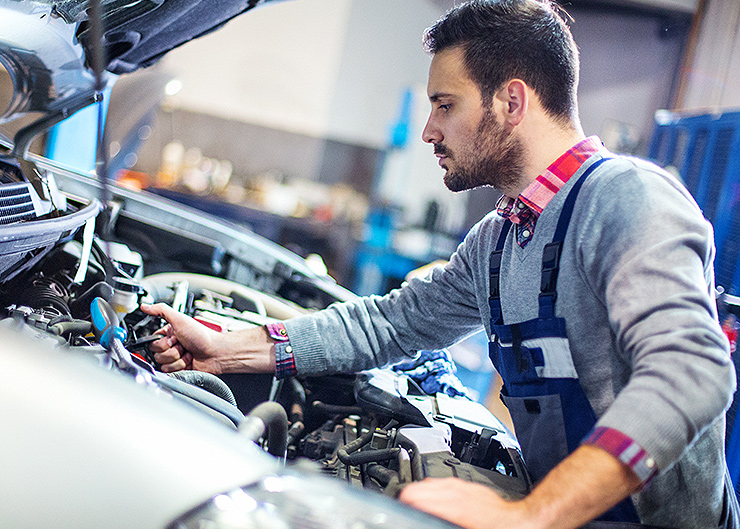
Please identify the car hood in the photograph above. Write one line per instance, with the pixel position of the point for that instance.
(46, 46)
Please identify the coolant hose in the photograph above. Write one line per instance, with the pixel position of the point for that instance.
(345, 453)
(270, 418)
(207, 381)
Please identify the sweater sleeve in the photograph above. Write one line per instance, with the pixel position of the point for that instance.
(430, 313)
(647, 253)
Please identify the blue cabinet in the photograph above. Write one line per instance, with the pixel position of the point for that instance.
(705, 150)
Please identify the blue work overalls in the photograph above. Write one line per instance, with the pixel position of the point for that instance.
(550, 411)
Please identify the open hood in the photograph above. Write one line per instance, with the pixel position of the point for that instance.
(45, 46)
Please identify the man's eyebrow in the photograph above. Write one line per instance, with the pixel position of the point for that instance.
(438, 95)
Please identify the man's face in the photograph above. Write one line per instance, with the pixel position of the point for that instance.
(473, 147)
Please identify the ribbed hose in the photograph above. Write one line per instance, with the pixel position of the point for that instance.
(207, 381)
(202, 396)
(45, 293)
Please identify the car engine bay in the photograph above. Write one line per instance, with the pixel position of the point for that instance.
(377, 430)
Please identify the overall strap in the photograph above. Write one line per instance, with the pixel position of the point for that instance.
(494, 270)
(552, 251)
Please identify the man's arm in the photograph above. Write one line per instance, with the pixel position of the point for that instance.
(583, 486)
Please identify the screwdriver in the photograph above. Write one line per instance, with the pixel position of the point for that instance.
(111, 336)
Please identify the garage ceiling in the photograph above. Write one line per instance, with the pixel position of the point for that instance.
(675, 6)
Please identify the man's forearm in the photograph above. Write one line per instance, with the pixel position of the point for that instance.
(583, 486)
(247, 351)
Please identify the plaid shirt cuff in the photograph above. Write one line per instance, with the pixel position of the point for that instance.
(626, 450)
(284, 359)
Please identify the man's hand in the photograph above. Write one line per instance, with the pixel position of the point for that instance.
(185, 343)
(584, 485)
(188, 344)
(469, 505)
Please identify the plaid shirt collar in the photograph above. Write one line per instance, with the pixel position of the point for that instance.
(526, 208)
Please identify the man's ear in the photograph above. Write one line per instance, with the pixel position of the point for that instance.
(514, 96)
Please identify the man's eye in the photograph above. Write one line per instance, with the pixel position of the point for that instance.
(445, 107)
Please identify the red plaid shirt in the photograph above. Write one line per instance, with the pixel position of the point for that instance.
(526, 208)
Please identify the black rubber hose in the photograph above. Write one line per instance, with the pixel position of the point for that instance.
(344, 451)
(382, 474)
(332, 409)
(207, 381)
(201, 396)
(274, 421)
(371, 456)
(59, 319)
(417, 468)
(298, 394)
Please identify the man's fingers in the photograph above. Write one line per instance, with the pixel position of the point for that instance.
(158, 309)
(167, 329)
(178, 365)
(172, 354)
(163, 344)
(188, 359)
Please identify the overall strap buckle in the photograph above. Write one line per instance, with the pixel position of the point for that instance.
(550, 267)
(494, 272)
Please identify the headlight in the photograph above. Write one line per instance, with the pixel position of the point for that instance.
(292, 501)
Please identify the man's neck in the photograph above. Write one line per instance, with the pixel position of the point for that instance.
(544, 144)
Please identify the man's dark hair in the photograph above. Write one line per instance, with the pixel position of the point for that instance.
(508, 39)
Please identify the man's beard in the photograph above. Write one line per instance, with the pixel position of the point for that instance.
(492, 158)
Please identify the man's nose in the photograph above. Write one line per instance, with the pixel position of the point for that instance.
(431, 133)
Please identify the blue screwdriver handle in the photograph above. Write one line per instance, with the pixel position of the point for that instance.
(105, 323)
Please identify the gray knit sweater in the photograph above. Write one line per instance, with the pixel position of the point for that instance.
(635, 288)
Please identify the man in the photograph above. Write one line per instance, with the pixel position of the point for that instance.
(596, 293)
